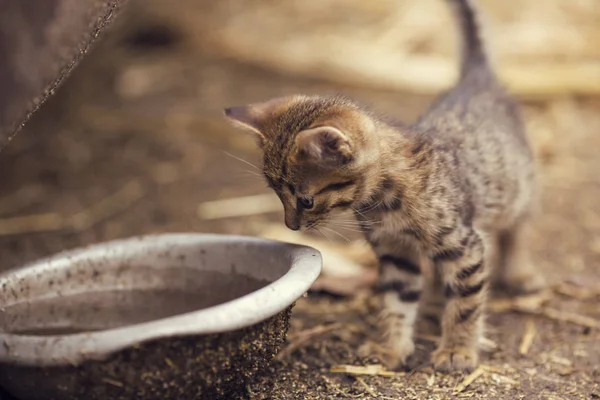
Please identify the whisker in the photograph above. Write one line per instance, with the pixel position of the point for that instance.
(337, 233)
(248, 172)
(323, 233)
(249, 175)
(347, 228)
(359, 219)
(370, 208)
(242, 160)
(350, 221)
(361, 213)
(355, 223)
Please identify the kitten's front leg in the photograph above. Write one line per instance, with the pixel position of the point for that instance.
(401, 283)
(465, 280)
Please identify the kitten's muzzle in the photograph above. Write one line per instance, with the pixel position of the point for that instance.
(293, 224)
(292, 219)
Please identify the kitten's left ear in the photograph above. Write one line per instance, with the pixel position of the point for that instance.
(255, 117)
(323, 146)
(246, 117)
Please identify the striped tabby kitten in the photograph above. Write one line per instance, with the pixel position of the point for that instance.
(457, 187)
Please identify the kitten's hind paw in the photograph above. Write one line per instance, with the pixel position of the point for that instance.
(460, 359)
(521, 285)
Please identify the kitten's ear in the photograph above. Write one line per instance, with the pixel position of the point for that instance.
(256, 116)
(246, 117)
(323, 146)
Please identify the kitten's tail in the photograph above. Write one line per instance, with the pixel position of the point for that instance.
(474, 56)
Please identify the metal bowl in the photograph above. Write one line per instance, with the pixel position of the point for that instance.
(174, 316)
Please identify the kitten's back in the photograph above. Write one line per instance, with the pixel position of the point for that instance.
(480, 127)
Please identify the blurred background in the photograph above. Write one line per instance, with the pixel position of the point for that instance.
(134, 142)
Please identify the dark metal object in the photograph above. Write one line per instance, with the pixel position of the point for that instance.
(161, 317)
(40, 43)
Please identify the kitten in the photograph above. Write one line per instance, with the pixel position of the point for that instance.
(457, 186)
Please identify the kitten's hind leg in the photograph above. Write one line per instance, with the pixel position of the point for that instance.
(493, 257)
(401, 283)
(464, 275)
(432, 305)
(516, 274)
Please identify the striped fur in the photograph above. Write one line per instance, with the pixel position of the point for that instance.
(456, 187)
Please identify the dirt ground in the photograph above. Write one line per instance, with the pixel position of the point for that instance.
(135, 141)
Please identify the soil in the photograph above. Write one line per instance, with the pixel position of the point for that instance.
(147, 110)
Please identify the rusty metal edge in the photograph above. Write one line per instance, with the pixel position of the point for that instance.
(99, 27)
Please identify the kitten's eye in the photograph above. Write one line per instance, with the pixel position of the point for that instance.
(306, 202)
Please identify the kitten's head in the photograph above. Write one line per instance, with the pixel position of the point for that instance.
(316, 153)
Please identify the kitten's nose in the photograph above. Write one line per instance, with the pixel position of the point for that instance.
(291, 220)
(291, 216)
(293, 225)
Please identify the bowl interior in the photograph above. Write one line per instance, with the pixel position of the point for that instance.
(134, 281)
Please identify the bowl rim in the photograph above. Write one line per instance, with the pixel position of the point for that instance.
(257, 306)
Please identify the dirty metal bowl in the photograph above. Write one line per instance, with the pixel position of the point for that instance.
(174, 316)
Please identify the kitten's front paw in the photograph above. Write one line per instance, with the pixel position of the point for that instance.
(392, 357)
(459, 359)
(399, 352)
